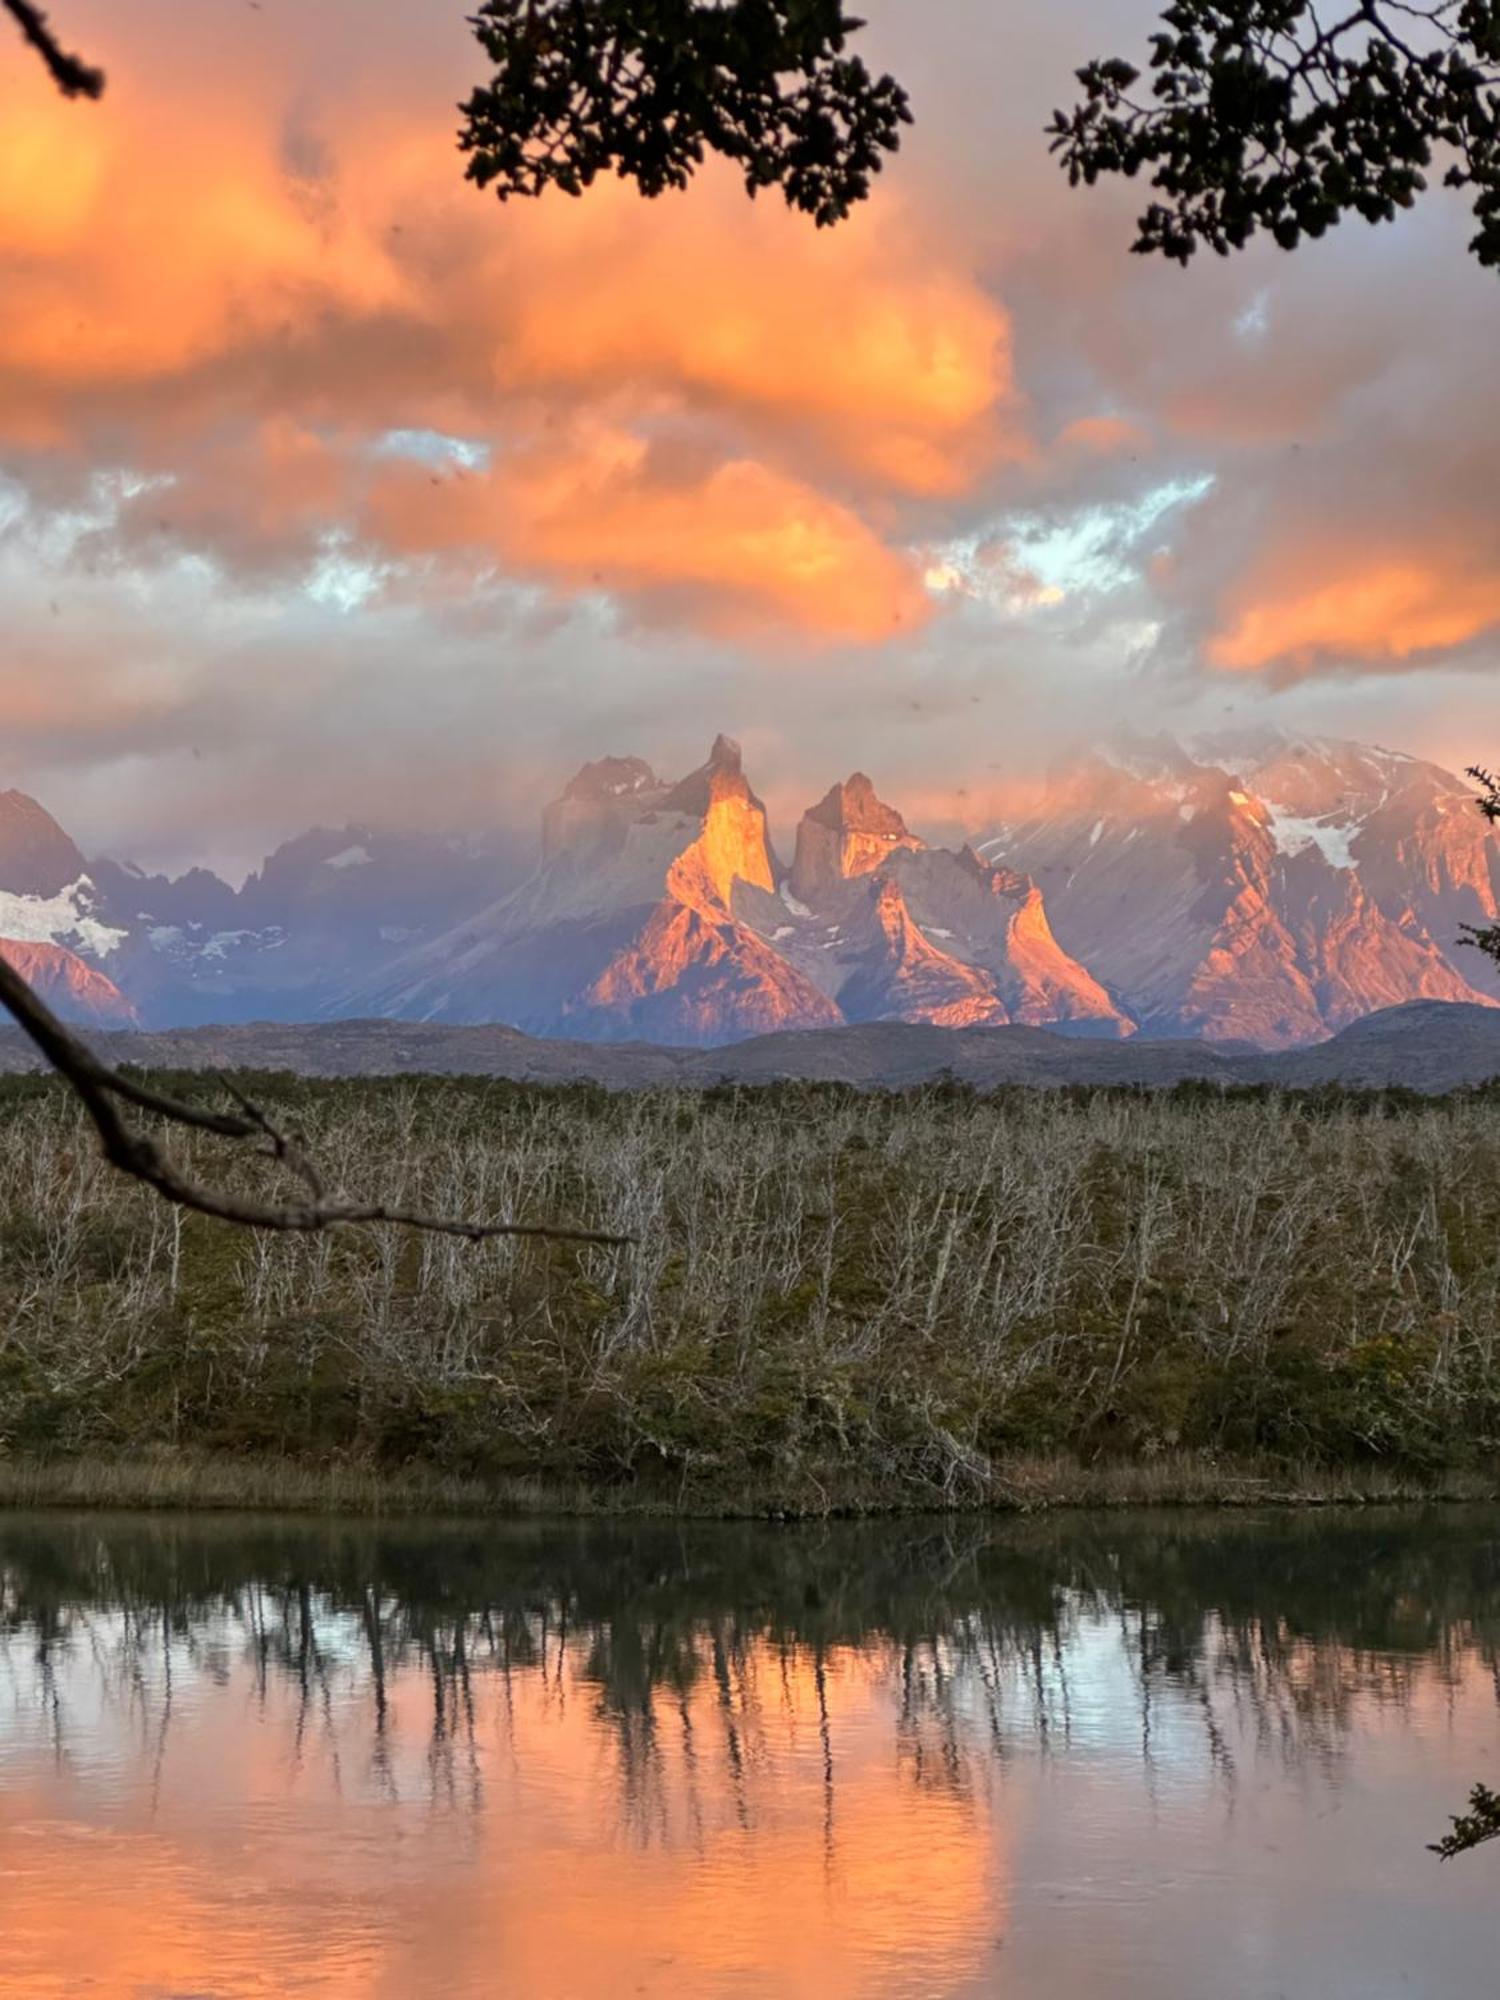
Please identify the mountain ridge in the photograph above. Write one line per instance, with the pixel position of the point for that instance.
(1258, 888)
(1426, 1046)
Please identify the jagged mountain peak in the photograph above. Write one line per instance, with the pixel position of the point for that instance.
(1257, 885)
(849, 833)
(612, 778)
(855, 807)
(598, 805)
(1251, 885)
(722, 777)
(70, 986)
(36, 857)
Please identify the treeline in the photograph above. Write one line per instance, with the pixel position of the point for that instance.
(832, 1296)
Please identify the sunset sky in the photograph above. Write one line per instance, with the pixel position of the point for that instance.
(330, 488)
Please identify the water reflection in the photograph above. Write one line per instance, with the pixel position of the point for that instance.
(1166, 1755)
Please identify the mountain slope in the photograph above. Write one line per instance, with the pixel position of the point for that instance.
(1237, 906)
(1258, 888)
(70, 988)
(1428, 1046)
(631, 926)
(661, 911)
(36, 857)
(893, 929)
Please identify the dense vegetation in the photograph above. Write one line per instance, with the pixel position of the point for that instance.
(836, 1296)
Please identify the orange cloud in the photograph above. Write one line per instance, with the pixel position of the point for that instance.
(238, 276)
(139, 243)
(738, 542)
(896, 359)
(1369, 608)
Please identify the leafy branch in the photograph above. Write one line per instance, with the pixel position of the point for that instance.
(1473, 1828)
(645, 88)
(1258, 117)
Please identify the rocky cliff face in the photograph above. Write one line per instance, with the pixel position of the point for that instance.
(661, 911)
(847, 834)
(70, 988)
(1270, 892)
(53, 926)
(632, 927)
(36, 857)
(894, 930)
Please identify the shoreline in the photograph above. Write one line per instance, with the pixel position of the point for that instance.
(187, 1482)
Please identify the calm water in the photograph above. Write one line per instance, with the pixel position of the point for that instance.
(1151, 1755)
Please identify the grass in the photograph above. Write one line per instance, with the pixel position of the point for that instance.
(834, 1302)
(180, 1481)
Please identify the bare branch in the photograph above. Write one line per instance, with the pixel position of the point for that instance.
(72, 75)
(102, 1090)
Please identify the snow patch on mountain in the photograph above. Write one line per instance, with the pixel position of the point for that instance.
(183, 942)
(66, 918)
(1294, 835)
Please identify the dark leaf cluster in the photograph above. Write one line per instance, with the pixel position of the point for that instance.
(648, 88)
(1489, 791)
(1473, 1828)
(1258, 116)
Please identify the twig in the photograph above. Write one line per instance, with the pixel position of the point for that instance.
(72, 75)
(101, 1090)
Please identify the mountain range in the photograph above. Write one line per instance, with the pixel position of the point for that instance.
(1426, 1045)
(1262, 890)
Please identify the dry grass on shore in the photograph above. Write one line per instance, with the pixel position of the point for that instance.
(175, 1481)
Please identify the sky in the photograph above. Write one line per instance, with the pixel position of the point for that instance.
(332, 489)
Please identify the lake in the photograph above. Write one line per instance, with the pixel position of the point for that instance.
(1130, 1755)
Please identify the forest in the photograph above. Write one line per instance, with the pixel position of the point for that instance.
(828, 1300)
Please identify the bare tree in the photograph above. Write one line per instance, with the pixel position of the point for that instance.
(105, 1093)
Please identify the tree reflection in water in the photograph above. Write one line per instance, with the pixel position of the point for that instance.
(855, 1693)
(1287, 1620)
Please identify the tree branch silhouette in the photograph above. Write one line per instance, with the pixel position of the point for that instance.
(105, 1091)
(1485, 938)
(1256, 116)
(72, 75)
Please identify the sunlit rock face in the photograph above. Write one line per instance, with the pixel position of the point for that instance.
(1421, 854)
(660, 912)
(70, 988)
(847, 834)
(632, 927)
(894, 930)
(54, 928)
(1268, 891)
